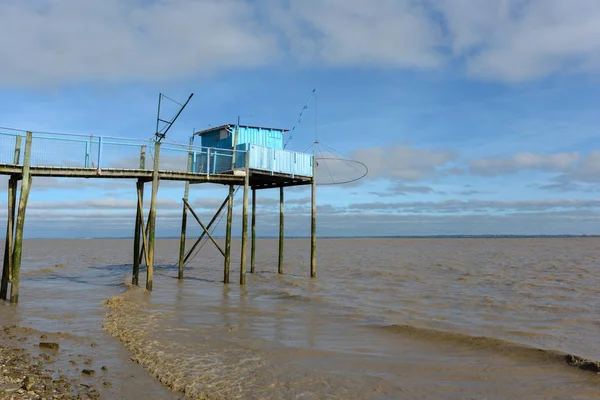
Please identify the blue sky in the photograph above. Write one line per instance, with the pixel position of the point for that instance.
(473, 117)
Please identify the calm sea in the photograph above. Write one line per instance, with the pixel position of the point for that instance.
(385, 318)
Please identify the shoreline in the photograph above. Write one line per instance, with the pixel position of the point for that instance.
(30, 373)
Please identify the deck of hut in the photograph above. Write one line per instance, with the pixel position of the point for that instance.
(247, 156)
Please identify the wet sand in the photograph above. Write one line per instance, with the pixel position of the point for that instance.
(386, 318)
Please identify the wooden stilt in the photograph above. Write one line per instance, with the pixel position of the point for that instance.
(245, 223)
(139, 222)
(228, 237)
(8, 244)
(184, 215)
(313, 224)
(152, 221)
(253, 245)
(281, 232)
(20, 222)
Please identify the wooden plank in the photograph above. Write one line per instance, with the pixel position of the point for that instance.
(20, 224)
(281, 233)
(152, 220)
(245, 224)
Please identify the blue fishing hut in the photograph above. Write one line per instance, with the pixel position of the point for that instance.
(230, 145)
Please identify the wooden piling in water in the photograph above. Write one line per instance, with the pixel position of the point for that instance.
(20, 222)
(227, 263)
(313, 224)
(10, 222)
(253, 229)
(152, 220)
(184, 215)
(8, 244)
(281, 232)
(139, 219)
(245, 223)
(139, 232)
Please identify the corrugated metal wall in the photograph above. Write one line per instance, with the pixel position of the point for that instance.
(272, 138)
(280, 161)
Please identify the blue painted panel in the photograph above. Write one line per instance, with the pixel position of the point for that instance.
(280, 161)
(218, 138)
(272, 138)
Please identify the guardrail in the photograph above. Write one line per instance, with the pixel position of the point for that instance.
(105, 152)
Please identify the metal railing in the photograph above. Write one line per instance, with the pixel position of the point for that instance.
(105, 152)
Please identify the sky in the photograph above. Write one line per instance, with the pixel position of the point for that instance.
(472, 116)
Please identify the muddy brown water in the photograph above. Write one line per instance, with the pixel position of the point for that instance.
(385, 318)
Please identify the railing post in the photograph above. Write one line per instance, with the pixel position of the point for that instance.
(143, 157)
(88, 146)
(207, 162)
(17, 149)
(99, 165)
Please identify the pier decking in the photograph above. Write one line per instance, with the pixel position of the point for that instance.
(24, 155)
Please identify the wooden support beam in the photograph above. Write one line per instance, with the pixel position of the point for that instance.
(139, 231)
(184, 215)
(185, 202)
(139, 223)
(245, 223)
(140, 207)
(313, 223)
(152, 220)
(20, 224)
(227, 262)
(281, 232)
(8, 244)
(253, 245)
(214, 218)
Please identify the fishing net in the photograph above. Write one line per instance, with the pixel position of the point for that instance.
(334, 168)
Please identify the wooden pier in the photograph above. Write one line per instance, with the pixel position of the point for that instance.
(245, 164)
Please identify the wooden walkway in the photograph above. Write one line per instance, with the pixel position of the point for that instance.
(72, 156)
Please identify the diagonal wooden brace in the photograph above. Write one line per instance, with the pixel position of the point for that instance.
(203, 227)
(212, 221)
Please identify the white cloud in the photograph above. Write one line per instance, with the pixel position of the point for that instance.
(387, 33)
(523, 161)
(403, 162)
(518, 40)
(68, 41)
